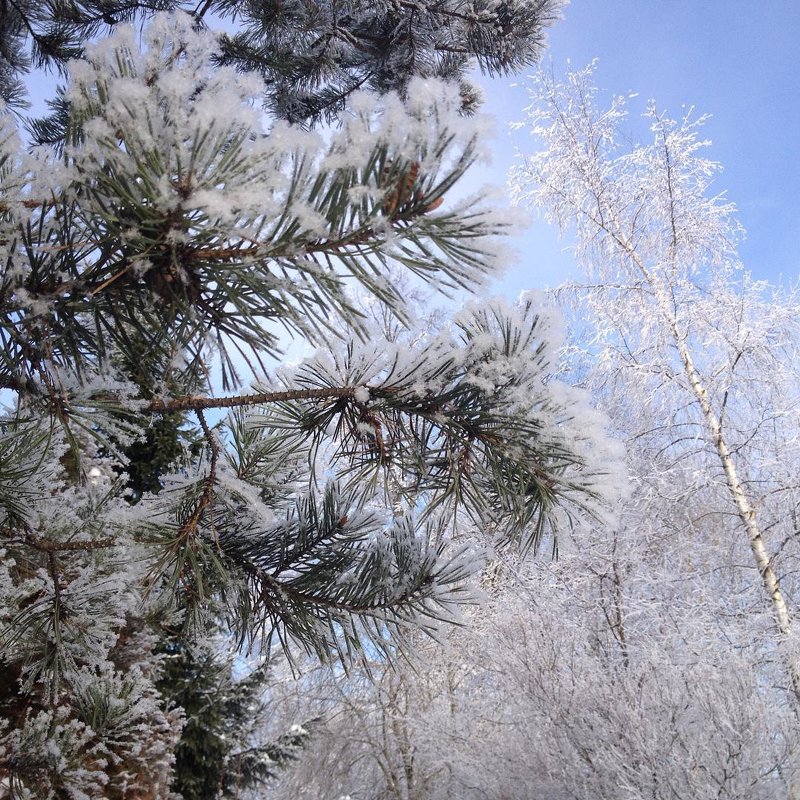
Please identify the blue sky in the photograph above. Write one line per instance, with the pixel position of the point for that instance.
(737, 61)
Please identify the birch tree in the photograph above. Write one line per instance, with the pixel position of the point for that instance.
(697, 359)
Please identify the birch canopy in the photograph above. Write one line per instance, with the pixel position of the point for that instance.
(682, 332)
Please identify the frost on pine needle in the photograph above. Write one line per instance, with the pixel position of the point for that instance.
(177, 198)
(481, 393)
(13, 175)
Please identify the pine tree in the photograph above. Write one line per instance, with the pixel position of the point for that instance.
(310, 56)
(220, 752)
(171, 235)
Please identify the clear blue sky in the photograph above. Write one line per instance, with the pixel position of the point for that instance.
(737, 61)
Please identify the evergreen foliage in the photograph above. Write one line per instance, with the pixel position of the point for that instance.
(219, 753)
(167, 238)
(310, 56)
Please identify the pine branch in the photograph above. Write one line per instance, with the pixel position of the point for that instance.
(259, 398)
(189, 527)
(51, 546)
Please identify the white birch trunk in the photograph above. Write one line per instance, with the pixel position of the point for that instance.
(745, 508)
